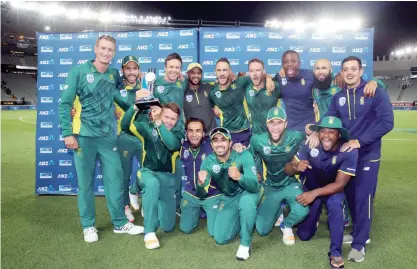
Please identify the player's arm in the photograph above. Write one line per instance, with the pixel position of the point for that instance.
(299, 162)
(385, 119)
(256, 156)
(67, 101)
(170, 140)
(249, 178)
(122, 102)
(204, 178)
(333, 111)
(128, 122)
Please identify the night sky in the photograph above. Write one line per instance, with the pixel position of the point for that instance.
(395, 23)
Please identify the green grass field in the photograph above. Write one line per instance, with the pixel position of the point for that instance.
(44, 231)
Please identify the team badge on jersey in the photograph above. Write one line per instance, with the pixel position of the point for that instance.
(154, 132)
(111, 77)
(123, 93)
(216, 168)
(179, 84)
(125, 153)
(233, 86)
(78, 151)
(362, 100)
(205, 94)
(218, 94)
(334, 159)
(284, 81)
(90, 78)
(342, 101)
(189, 98)
(333, 91)
(186, 154)
(203, 156)
(267, 150)
(314, 152)
(303, 81)
(160, 89)
(251, 93)
(287, 149)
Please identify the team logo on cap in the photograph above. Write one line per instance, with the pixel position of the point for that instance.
(218, 94)
(189, 98)
(284, 81)
(251, 93)
(331, 120)
(303, 82)
(362, 100)
(90, 78)
(216, 168)
(342, 101)
(314, 152)
(276, 112)
(334, 159)
(123, 93)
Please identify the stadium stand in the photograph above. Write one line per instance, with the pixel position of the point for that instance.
(21, 86)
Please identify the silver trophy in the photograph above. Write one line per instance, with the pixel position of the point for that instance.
(146, 102)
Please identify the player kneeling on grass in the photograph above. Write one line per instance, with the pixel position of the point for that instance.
(327, 171)
(235, 174)
(274, 149)
(192, 154)
(156, 178)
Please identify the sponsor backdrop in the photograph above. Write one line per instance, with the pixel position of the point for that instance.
(241, 44)
(57, 53)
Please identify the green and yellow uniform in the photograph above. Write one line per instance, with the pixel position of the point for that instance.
(94, 128)
(237, 208)
(156, 177)
(278, 186)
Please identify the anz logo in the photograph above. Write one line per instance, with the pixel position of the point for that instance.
(160, 60)
(46, 37)
(294, 36)
(336, 63)
(66, 49)
(165, 34)
(208, 63)
(317, 50)
(63, 75)
(144, 47)
(360, 50)
(211, 35)
(82, 61)
(251, 35)
(82, 36)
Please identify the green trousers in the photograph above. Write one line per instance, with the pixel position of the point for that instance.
(236, 213)
(129, 146)
(270, 208)
(158, 199)
(191, 208)
(105, 150)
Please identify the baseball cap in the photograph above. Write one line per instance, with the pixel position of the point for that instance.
(331, 123)
(276, 113)
(220, 130)
(128, 59)
(192, 65)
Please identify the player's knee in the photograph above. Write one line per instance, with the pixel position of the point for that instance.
(247, 205)
(335, 202)
(305, 235)
(262, 231)
(300, 212)
(221, 238)
(167, 227)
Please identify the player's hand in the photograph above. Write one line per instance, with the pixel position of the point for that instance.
(73, 112)
(370, 88)
(313, 140)
(302, 166)
(234, 173)
(216, 111)
(71, 142)
(306, 198)
(202, 175)
(142, 94)
(238, 147)
(316, 108)
(338, 80)
(181, 77)
(118, 114)
(307, 129)
(349, 146)
(270, 86)
(232, 76)
(155, 115)
(282, 72)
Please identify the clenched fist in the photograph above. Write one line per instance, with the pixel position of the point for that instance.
(202, 175)
(234, 173)
(302, 166)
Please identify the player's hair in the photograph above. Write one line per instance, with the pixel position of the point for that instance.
(224, 60)
(173, 56)
(290, 52)
(256, 60)
(190, 120)
(352, 58)
(173, 107)
(108, 38)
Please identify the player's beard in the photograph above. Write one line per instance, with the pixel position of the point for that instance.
(325, 84)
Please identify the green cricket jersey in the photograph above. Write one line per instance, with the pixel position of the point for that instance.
(218, 171)
(274, 157)
(95, 92)
(231, 103)
(160, 145)
(259, 103)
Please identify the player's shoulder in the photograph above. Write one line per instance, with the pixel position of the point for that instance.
(349, 154)
(293, 135)
(260, 138)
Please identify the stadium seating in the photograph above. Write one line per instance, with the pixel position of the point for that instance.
(410, 93)
(393, 88)
(21, 86)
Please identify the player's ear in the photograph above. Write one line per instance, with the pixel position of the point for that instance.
(285, 124)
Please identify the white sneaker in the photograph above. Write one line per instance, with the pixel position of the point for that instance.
(243, 253)
(348, 239)
(151, 241)
(90, 235)
(288, 236)
(279, 220)
(134, 201)
(129, 228)
(129, 214)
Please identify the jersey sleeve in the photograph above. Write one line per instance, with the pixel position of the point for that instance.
(202, 190)
(242, 82)
(302, 153)
(349, 163)
(122, 102)
(333, 111)
(171, 141)
(256, 156)
(249, 179)
(277, 90)
(67, 100)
